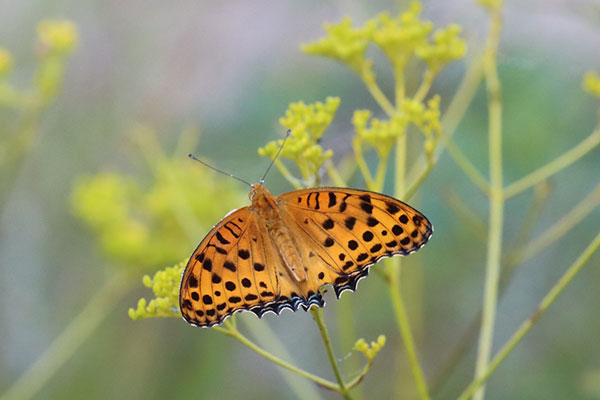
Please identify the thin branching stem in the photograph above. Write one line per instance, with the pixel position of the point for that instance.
(468, 168)
(425, 86)
(362, 164)
(288, 175)
(377, 94)
(531, 321)
(492, 275)
(554, 166)
(232, 331)
(317, 313)
(562, 226)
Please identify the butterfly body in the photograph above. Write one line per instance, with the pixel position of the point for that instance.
(277, 252)
(269, 211)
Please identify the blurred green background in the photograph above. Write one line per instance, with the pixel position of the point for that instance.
(213, 78)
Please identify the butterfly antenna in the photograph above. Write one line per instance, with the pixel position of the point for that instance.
(193, 157)
(276, 155)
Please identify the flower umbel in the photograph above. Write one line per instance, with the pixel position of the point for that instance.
(165, 285)
(307, 123)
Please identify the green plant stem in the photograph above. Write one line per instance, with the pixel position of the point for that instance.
(68, 341)
(381, 170)
(418, 182)
(466, 215)
(468, 168)
(377, 94)
(347, 335)
(393, 265)
(317, 313)
(530, 322)
(562, 226)
(425, 85)
(287, 175)
(362, 164)
(496, 200)
(354, 382)
(233, 332)
(334, 174)
(400, 87)
(16, 151)
(266, 338)
(554, 166)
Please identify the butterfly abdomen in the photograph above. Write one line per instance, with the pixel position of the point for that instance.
(287, 248)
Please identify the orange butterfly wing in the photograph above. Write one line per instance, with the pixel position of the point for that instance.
(224, 272)
(237, 267)
(344, 231)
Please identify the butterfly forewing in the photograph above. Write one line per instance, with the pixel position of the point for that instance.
(229, 271)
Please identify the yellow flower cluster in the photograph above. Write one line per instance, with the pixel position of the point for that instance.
(381, 134)
(165, 285)
(307, 123)
(147, 226)
(370, 351)
(400, 39)
(344, 44)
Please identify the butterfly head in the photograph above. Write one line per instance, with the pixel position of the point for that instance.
(261, 198)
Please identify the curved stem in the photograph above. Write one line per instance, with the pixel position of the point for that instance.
(378, 95)
(404, 326)
(530, 322)
(492, 275)
(423, 89)
(468, 168)
(554, 166)
(233, 332)
(562, 226)
(287, 175)
(334, 174)
(362, 164)
(75, 333)
(318, 316)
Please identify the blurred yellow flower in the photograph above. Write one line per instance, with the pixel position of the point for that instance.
(6, 62)
(591, 83)
(58, 36)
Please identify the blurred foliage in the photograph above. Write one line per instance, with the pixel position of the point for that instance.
(56, 41)
(142, 226)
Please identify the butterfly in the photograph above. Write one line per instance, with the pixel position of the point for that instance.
(277, 252)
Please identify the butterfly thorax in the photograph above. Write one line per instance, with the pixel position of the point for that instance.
(268, 211)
